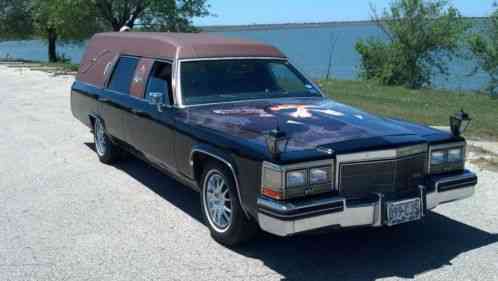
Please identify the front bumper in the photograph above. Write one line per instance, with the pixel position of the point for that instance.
(287, 218)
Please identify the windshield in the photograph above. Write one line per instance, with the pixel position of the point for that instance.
(212, 81)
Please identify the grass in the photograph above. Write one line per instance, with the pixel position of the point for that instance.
(64, 66)
(427, 106)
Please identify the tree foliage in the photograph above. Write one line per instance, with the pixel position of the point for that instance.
(422, 36)
(63, 20)
(15, 19)
(71, 19)
(485, 49)
(156, 15)
(78, 19)
(50, 19)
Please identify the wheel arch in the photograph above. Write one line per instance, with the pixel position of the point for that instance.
(92, 117)
(204, 152)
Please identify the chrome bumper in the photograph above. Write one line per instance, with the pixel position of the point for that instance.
(285, 218)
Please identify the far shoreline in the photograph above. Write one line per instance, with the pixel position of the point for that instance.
(290, 25)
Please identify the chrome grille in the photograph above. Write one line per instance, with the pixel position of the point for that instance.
(383, 176)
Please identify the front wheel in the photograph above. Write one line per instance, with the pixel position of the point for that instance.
(221, 207)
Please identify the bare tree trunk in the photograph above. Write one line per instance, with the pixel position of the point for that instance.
(333, 41)
(52, 47)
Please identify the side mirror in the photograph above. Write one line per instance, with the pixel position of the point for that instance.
(157, 98)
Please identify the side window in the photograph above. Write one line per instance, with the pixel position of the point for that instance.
(123, 74)
(160, 81)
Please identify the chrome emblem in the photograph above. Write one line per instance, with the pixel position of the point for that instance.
(325, 150)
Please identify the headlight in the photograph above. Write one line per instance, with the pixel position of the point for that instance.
(438, 157)
(320, 175)
(455, 155)
(447, 158)
(296, 178)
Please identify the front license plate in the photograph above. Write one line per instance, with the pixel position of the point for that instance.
(403, 211)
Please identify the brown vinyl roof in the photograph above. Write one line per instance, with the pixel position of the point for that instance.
(180, 45)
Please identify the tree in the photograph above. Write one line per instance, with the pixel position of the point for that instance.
(64, 20)
(485, 49)
(157, 15)
(78, 19)
(15, 19)
(50, 19)
(422, 36)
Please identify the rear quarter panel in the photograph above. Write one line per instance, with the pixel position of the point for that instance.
(84, 102)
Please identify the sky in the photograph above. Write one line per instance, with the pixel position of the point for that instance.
(240, 12)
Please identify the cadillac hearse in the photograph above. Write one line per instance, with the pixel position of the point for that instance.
(265, 148)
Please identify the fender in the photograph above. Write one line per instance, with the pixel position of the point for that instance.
(223, 157)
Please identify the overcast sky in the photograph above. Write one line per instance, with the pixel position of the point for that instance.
(283, 11)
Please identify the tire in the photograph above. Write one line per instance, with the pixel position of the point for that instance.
(107, 152)
(217, 186)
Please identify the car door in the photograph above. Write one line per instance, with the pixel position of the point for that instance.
(114, 103)
(151, 130)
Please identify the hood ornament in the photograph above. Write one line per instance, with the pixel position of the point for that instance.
(459, 122)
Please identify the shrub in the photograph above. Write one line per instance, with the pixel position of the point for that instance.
(422, 36)
(485, 49)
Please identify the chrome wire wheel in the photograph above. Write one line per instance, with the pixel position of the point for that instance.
(217, 201)
(100, 139)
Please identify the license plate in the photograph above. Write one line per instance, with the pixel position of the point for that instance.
(403, 211)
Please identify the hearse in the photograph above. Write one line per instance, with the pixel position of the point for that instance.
(265, 148)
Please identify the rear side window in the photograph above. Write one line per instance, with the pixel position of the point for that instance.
(123, 74)
(160, 80)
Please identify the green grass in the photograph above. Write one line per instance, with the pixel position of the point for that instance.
(431, 107)
(65, 66)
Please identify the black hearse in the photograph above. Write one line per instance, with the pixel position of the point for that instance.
(265, 148)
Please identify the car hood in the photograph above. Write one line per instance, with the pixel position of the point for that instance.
(308, 123)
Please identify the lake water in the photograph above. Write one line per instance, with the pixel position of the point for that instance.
(309, 47)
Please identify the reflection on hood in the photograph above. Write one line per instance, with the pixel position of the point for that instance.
(307, 122)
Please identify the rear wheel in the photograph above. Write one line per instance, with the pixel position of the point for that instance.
(221, 207)
(107, 152)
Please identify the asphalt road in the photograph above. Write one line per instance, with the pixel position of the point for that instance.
(65, 216)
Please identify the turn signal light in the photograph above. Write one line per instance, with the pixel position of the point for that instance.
(272, 193)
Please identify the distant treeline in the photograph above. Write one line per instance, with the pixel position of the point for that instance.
(273, 26)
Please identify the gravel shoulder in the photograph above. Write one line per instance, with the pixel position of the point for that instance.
(65, 216)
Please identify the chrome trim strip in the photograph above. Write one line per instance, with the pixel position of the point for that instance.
(229, 165)
(176, 82)
(435, 199)
(455, 178)
(237, 101)
(234, 58)
(383, 154)
(448, 145)
(306, 165)
(288, 206)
